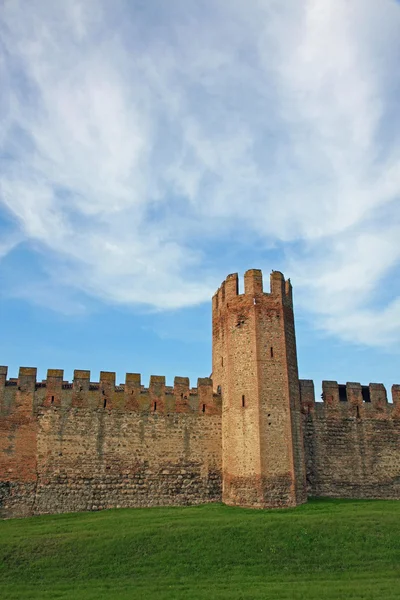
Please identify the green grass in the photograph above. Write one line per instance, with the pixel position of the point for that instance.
(327, 549)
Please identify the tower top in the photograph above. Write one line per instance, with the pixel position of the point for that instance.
(253, 286)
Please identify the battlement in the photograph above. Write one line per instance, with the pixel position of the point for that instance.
(28, 394)
(351, 399)
(280, 289)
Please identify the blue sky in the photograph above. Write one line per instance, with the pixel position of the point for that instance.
(148, 149)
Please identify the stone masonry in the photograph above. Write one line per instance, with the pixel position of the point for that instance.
(253, 435)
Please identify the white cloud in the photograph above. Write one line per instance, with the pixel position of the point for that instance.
(132, 138)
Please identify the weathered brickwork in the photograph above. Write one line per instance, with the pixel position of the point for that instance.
(101, 459)
(353, 443)
(252, 435)
(255, 368)
(88, 446)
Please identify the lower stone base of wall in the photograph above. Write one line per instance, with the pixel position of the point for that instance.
(17, 499)
(261, 492)
(355, 491)
(63, 494)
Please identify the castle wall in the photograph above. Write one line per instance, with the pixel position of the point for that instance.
(18, 433)
(252, 441)
(87, 446)
(352, 442)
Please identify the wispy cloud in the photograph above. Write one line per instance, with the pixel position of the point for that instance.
(135, 137)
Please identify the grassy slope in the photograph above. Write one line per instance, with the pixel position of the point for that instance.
(323, 550)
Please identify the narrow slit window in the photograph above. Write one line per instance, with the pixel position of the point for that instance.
(105, 403)
(204, 408)
(52, 399)
(222, 361)
(155, 406)
(271, 351)
(243, 401)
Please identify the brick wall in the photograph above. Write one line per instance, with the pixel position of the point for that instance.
(88, 446)
(255, 364)
(249, 441)
(352, 445)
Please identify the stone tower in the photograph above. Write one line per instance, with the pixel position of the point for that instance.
(255, 369)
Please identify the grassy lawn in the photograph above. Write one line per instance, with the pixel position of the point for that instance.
(327, 549)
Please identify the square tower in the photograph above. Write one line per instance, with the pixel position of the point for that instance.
(255, 369)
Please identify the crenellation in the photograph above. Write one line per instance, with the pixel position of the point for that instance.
(157, 379)
(27, 379)
(80, 389)
(54, 373)
(133, 379)
(221, 295)
(396, 401)
(54, 387)
(108, 377)
(107, 397)
(208, 402)
(27, 374)
(26, 390)
(253, 282)
(277, 283)
(156, 402)
(307, 395)
(354, 399)
(330, 395)
(231, 286)
(3, 383)
(132, 391)
(181, 394)
(378, 396)
(130, 396)
(252, 434)
(215, 301)
(289, 291)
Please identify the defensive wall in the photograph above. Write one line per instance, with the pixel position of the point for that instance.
(351, 440)
(86, 446)
(253, 435)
